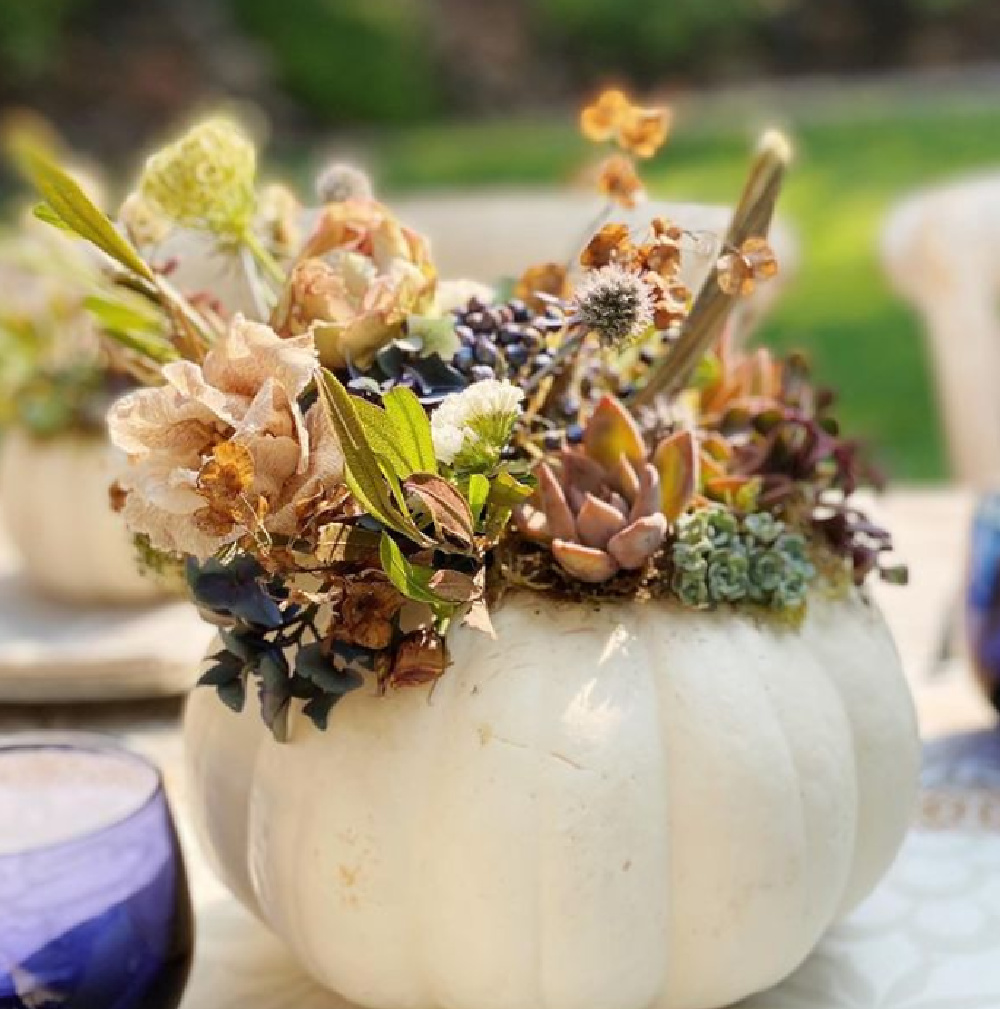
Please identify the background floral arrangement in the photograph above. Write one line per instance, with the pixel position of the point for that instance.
(56, 374)
(352, 453)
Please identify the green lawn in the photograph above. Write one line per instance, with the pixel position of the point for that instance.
(848, 172)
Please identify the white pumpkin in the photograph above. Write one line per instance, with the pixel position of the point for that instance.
(624, 806)
(56, 512)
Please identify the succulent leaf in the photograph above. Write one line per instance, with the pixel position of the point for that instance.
(637, 542)
(677, 461)
(612, 432)
(598, 521)
(561, 523)
(585, 563)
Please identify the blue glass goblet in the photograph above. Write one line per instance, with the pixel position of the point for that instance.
(982, 596)
(94, 905)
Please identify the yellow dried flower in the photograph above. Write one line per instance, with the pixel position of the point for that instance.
(739, 270)
(643, 131)
(542, 278)
(205, 180)
(619, 182)
(599, 122)
(612, 244)
(640, 131)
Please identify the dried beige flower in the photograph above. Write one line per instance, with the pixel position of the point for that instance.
(223, 451)
(358, 278)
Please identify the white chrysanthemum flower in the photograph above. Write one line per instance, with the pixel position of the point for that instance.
(339, 182)
(615, 303)
(471, 427)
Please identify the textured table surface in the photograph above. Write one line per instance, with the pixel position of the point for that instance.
(929, 937)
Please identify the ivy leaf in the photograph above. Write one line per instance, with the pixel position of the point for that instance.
(412, 580)
(449, 511)
(227, 667)
(275, 692)
(318, 709)
(233, 694)
(335, 674)
(412, 429)
(234, 590)
(363, 473)
(65, 201)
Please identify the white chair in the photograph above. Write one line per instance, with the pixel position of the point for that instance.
(941, 249)
(492, 234)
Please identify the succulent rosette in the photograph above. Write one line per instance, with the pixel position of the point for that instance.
(367, 454)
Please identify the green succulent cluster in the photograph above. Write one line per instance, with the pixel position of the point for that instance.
(721, 557)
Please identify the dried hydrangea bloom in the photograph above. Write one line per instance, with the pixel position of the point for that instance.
(612, 244)
(471, 427)
(223, 451)
(359, 276)
(205, 180)
(143, 222)
(620, 183)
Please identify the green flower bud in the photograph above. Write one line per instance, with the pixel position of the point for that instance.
(205, 180)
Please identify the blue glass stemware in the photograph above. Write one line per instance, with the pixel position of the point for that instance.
(94, 905)
(982, 596)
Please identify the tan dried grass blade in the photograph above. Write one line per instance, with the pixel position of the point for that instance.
(751, 218)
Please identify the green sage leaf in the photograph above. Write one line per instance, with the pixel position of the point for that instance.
(412, 429)
(364, 475)
(67, 202)
(479, 491)
(412, 580)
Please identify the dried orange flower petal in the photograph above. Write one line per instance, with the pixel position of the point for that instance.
(662, 255)
(543, 278)
(740, 270)
(643, 131)
(612, 244)
(619, 182)
(671, 300)
(600, 121)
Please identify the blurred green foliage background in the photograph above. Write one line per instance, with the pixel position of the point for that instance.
(443, 93)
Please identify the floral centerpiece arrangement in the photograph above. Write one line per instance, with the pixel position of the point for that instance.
(662, 739)
(58, 378)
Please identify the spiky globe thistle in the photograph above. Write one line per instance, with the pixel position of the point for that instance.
(339, 182)
(615, 303)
